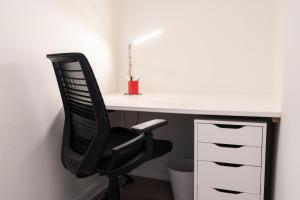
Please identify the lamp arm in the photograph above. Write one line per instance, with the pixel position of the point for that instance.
(130, 62)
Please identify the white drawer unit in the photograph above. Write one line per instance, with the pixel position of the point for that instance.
(206, 193)
(237, 154)
(230, 159)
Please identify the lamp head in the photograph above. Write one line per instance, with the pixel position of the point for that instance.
(147, 37)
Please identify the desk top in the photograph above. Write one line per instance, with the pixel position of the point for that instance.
(221, 105)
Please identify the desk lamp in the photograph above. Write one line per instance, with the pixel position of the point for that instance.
(133, 85)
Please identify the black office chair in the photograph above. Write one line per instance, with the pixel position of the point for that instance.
(90, 145)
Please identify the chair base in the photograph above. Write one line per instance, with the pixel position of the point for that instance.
(129, 180)
(113, 192)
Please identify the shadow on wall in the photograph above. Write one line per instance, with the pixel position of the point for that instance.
(59, 179)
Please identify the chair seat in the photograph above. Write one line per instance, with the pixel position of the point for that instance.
(121, 135)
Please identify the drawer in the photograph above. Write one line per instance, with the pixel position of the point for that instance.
(229, 154)
(234, 177)
(205, 193)
(230, 134)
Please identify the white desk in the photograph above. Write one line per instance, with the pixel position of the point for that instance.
(221, 105)
(208, 131)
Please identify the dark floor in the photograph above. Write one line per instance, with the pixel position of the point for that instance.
(145, 189)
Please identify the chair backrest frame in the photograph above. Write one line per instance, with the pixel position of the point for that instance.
(81, 165)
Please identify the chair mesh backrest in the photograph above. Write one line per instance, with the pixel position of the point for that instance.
(86, 124)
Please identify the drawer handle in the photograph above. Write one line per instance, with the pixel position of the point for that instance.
(227, 191)
(228, 164)
(229, 145)
(229, 126)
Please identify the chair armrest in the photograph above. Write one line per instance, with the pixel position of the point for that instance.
(149, 126)
(130, 143)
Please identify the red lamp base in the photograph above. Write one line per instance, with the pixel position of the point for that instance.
(133, 87)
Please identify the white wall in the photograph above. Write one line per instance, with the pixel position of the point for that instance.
(30, 105)
(208, 46)
(288, 160)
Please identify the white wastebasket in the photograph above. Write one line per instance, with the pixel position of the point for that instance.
(181, 173)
